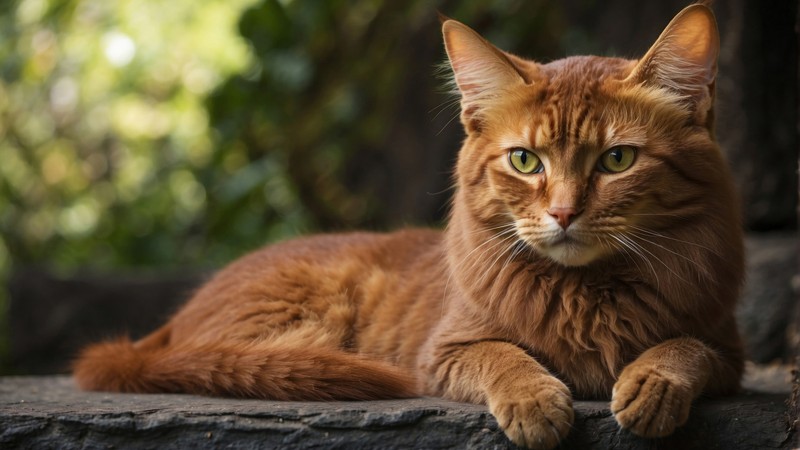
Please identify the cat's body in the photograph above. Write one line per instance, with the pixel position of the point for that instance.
(594, 246)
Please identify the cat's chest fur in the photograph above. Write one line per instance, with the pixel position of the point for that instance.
(586, 326)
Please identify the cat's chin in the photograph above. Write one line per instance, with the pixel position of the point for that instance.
(570, 253)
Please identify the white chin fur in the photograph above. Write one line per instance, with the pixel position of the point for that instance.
(570, 254)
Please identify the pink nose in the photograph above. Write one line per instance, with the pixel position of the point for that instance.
(563, 215)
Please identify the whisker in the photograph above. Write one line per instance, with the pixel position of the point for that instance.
(640, 246)
(444, 106)
(655, 234)
(507, 226)
(679, 216)
(456, 113)
(627, 243)
(626, 249)
(495, 239)
(517, 247)
(446, 125)
(487, 271)
(694, 263)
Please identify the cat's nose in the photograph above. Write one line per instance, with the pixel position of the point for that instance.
(563, 215)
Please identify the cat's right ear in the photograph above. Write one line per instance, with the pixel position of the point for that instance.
(481, 71)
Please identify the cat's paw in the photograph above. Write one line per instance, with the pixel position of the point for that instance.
(649, 402)
(538, 416)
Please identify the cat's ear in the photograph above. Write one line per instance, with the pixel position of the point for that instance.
(684, 58)
(481, 71)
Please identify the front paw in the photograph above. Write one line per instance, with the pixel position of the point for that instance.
(537, 416)
(649, 402)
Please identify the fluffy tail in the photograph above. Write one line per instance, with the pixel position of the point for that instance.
(253, 370)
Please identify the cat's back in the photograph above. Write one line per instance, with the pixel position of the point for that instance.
(301, 278)
(337, 249)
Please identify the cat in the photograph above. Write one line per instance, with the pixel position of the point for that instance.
(594, 248)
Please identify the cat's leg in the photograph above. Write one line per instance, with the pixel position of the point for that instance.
(532, 406)
(654, 393)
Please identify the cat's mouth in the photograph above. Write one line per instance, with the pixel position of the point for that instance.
(564, 239)
(561, 237)
(568, 249)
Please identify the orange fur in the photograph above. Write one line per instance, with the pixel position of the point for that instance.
(630, 299)
(239, 369)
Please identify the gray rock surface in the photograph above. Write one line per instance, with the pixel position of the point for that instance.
(770, 298)
(48, 412)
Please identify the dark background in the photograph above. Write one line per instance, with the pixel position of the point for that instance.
(234, 124)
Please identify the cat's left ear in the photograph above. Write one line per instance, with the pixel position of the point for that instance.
(684, 58)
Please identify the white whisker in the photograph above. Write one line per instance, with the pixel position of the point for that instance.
(495, 240)
(655, 234)
(627, 243)
(487, 271)
(630, 239)
(700, 268)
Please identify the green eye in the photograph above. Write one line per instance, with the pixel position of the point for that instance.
(617, 159)
(525, 161)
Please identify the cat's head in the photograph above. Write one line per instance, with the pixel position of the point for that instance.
(584, 154)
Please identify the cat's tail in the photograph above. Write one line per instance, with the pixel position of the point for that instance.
(254, 370)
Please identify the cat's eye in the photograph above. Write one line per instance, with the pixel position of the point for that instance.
(525, 161)
(617, 159)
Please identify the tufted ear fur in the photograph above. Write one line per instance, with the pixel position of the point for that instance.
(481, 71)
(684, 60)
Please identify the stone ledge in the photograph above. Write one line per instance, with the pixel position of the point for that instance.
(49, 412)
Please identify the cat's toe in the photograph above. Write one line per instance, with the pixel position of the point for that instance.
(650, 403)
(538, 418)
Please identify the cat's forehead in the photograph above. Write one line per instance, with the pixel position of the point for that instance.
(567, 103)
(566, 75)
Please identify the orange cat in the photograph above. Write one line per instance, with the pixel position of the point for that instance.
(594, 248)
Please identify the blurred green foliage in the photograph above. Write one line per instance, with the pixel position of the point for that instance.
(104, 129)
(147, 133)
